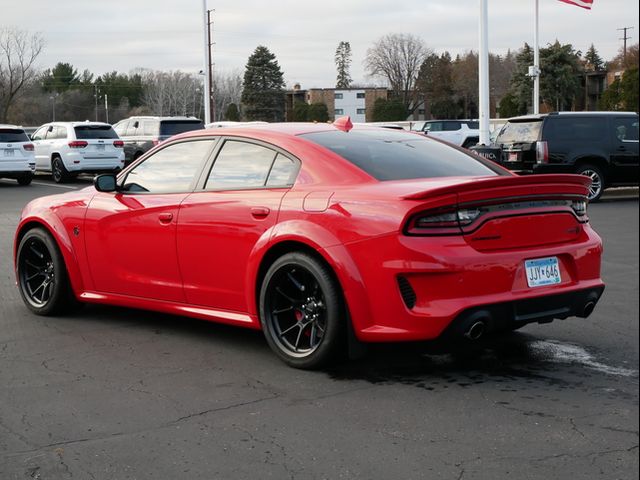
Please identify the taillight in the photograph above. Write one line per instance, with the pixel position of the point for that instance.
(442, 222)
(580, 209)
(542, 152)
(28, 147)
(78, 144)
(118, 143)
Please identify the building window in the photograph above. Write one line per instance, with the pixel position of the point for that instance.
(359, 95)
(338, 96)
(339, 111)
(360, 111)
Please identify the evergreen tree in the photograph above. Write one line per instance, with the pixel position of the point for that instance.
(263, 87)
(60, 78)
(593, 61)
(300, 112)
(391, 110)
(343, 62)
(231, 113)
(318, 112)
(559, 79)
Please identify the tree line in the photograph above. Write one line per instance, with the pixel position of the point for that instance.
(417, 77)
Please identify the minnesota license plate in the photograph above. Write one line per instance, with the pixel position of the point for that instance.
(100, 147)
(8, 152)
(513, 157)
(542, 271)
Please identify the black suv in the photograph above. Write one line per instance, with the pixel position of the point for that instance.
(602, 145)
(141, 133)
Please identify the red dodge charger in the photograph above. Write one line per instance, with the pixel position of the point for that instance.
(318, 234)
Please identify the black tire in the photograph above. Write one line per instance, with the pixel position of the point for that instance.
(301, 312)
(42, 275)
(597, 178)
(25, 179)
(59, 172)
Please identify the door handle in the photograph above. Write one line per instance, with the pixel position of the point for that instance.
(260, 212)
(165, 217)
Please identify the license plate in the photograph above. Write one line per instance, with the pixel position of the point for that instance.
(100, 147)
(8, 152)
(513, 157)
(542, 271)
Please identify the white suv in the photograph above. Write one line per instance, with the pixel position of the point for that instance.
(16, 154)
(464, 133)
(68, 148)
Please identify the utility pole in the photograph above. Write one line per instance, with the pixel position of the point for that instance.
(625, 38)
(212, 103)
(96, 95)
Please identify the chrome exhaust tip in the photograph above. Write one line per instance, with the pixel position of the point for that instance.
(475, 331)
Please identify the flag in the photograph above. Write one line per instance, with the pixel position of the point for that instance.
(580, 3)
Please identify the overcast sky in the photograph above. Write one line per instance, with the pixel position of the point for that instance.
(125, 34)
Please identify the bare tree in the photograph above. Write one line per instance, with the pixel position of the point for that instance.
(18, 53)
(172, 93)
(228, 90)
(397, 57)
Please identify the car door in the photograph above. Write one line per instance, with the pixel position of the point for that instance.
(41, 148)
(624, 157)
(131, 234)
(220, 225)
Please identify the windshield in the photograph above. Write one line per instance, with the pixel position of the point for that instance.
(520, 132)
(87, 132)
(394, 155)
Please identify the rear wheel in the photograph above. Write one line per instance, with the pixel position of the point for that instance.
(25, 179)
(301, 311)
(59, 171)
(597, 180)
(42, 275)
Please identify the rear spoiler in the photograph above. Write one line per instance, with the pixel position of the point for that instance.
(564, 184)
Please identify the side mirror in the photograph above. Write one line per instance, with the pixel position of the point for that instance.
(136, 124)
(105, 183)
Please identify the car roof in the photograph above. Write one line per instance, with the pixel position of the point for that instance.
(152, 117)
(7, 125)
(78, 124)
(542, 116)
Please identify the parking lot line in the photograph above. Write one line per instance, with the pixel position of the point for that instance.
(68, 187)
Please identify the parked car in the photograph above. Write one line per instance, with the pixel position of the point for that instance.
(464, 133)
(140, 134)
(318, 234)
(601, 145)
(16, 154)
(67, 149)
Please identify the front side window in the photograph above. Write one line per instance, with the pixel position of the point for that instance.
(39, 134)
(241, 165)
(626, 129)
(173, 169)
(433, 127)
(121, 127)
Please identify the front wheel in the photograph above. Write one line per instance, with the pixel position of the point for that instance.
(597, 180)
(42, 275)
(301, 311)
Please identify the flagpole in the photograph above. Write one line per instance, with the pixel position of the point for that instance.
(483, 70)
(536, 62)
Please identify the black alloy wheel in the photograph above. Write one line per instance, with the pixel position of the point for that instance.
(42, 276)
(301, 311)
(58, 170)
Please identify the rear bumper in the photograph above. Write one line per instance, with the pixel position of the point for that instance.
(8, 169)
(416, 287)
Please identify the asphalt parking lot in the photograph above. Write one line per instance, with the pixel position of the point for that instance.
(112, 393)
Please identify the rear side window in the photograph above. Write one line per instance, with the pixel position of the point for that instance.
(174, 127)
(625, 129)
(242, 165)
(452, 126)
(520, 132)
(575, 129)
(86, 132)
(473, 125)
(395, 155)
(12, 135)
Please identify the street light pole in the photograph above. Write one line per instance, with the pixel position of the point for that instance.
(207, 64)
(483, 68)
(536, 62)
